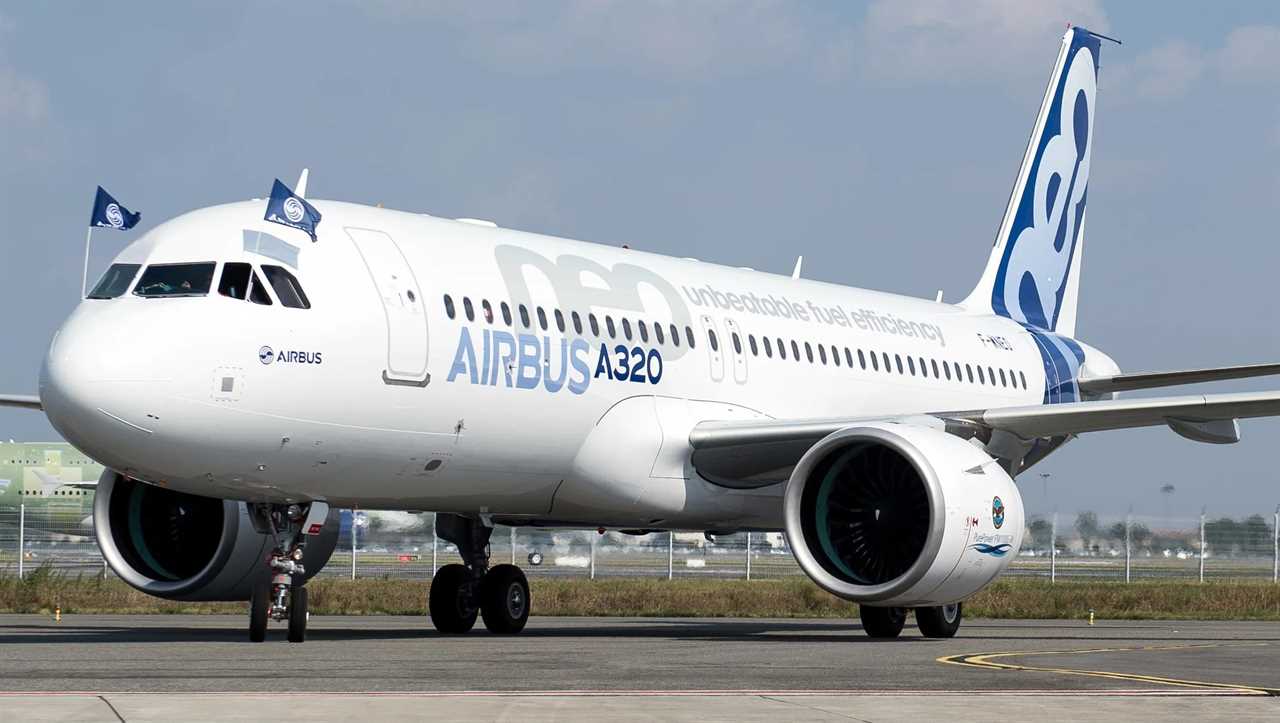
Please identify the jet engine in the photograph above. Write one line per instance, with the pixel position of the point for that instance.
(900, 515)
(186, 547)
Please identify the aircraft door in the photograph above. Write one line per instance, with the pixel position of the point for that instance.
(715, 348)
(737, 350)
(402, 304)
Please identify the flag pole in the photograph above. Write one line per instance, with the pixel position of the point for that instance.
(84, 277)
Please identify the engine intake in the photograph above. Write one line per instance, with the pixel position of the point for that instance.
(180, 546)
(901, 515)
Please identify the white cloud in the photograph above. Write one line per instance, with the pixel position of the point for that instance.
(1251, 53)
(980, 41)
(1165, 72)
(22, 98)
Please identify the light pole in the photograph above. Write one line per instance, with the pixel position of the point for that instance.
(1044, 486)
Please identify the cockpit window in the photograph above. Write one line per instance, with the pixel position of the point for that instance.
(235, 280)
(115, 282)
(160, 280)
(258, 292)
(290, 292)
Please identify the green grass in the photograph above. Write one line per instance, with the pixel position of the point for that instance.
(43, 590)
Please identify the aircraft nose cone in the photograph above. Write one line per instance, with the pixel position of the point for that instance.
(91, 386)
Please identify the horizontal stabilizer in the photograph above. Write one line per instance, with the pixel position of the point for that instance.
(1155, 380)
(25, 401)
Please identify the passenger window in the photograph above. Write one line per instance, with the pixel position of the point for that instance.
(711, 336)
(488, 310)
(924, 371)
(969, 369)
(848, 357)
(595, 325)
(898, 358)
(862, 359)
(991, 374)
(626, 328)
(560, 321)
(835, 356)
(981, 379)
(644, 330)
(822, 354)
(795, 350)
(737, 343)
(657, 333)
(675, 335)
(542, 318)
(959, 376)
(577, 322)
(751, 342)
(688, 336)
(808, 351)
(782, 350)
(235, 280)
(1002, 381)
(875, 365)
(173, 280)
(506, 314)
(613, 330)
(768, 348)
(116, 281)
(946, 370)
(1023, 377)
(934, 363)
(524, 316)
(468, 308)
(911, 364)
(448, 306)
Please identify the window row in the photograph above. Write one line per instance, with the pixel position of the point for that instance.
(641, 329)
(948, 370)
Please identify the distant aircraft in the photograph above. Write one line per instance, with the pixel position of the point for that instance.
(53, 481)
(505, 377)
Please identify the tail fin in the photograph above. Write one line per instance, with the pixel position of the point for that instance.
(1033, 275)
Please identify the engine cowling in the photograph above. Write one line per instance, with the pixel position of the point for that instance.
(901, 515)
(186, 547)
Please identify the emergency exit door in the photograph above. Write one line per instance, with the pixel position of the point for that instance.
(402, 304)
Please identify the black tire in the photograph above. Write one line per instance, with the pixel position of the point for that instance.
(504, 599)
(297, 614)
(259, 601)
(452, 611)
(882, 622)
(940, 622)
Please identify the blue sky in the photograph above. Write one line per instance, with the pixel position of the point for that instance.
(879, 139)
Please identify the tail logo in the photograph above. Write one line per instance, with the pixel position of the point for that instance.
(1032, 279)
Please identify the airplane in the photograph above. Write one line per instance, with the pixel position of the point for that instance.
(54, 482)
(241, 382)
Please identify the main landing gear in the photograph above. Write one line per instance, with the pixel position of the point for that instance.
(281, 595)
(941, 621)
(461, 593)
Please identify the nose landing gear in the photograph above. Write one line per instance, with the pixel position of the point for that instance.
(282, 596)
(460, 593)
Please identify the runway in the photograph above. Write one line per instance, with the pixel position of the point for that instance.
(139, 667)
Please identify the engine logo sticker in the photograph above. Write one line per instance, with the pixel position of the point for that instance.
(997, 513)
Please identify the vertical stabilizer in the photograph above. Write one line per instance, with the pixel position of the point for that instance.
(1033, 275)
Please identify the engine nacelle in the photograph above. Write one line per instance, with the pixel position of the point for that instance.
(186, 547)
(893, 514)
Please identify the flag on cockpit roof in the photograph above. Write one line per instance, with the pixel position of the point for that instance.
(289, 209)
(110, 213)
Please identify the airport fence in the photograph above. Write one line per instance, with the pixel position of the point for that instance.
(1055, 547)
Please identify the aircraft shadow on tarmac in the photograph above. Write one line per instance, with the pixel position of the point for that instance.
(779, 631)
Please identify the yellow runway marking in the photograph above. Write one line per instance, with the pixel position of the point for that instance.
(988, 661)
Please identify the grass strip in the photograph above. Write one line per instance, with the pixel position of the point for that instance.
(793, 597)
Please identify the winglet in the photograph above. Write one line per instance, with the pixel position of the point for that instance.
(300, 187)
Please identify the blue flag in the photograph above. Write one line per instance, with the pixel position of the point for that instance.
(289, 209)
(108, 213)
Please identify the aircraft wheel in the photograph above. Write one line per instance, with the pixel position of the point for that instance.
(449, 602)
(941, 621)
(298, 614)
(882, 622)
(504, 599)
(259, 601)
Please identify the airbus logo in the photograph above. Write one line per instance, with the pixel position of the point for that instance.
(266, 355)
(114, 217)
(293, 209)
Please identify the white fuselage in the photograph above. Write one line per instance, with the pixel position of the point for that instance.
(375, 398)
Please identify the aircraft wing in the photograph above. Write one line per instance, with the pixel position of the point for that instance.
(25, 401)
(50, 483)
(1153, 380)
(753, 453)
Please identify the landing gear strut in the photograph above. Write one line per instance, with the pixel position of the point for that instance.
(282, 596)
(460, 593)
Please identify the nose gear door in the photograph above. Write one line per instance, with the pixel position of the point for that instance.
(402, 304)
